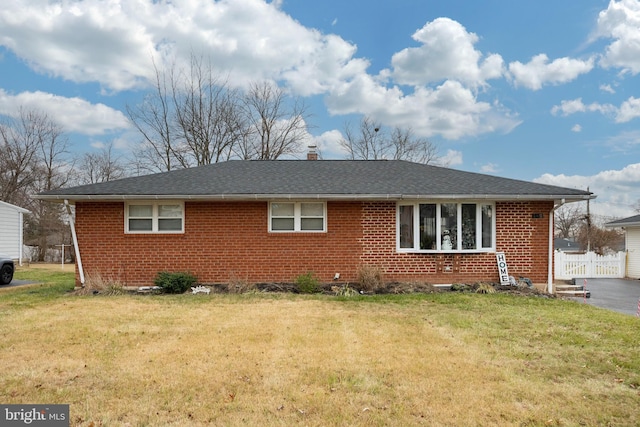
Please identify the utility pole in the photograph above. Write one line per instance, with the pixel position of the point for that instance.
(588, 218)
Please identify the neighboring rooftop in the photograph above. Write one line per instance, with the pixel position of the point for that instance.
(567, 245)
(624, 222)
(330, 179)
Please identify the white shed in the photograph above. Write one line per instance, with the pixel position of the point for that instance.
(631, 228)
(11, 230)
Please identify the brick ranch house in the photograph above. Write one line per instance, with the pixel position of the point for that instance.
(270, 221)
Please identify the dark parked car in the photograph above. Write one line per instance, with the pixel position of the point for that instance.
(6, 270)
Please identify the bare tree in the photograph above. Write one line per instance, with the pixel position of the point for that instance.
(277, 125)
(55, 166)
(153, 118)
(568, 219)
(19, 150)
(406, 146)
(369, 142)
(207, 115)
(34, 158)
(601, 240)
(192, 117)
(102, 166)
(372, 141)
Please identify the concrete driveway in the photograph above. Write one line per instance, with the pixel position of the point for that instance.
(621, 295)
(15, 283)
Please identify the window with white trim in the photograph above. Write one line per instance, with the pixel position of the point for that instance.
(446, 227)
(288, 217)
(163, 217)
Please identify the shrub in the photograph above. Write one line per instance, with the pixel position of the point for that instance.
(459, 287)
(307, 283)
(344, 291)
(485, 288)
(174, 283)
(238, 285)
(370, 278)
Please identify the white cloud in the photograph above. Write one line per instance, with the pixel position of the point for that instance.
(607, 88)
(449, 110)
(447, 53)
(576, 128)
(73, 114)
(539, 71)
(574, 106)
(625, 142)
(450, 159)
(445, 73)
(112, 42)
(328, 144)
(628, 110)
(327, 64)
(98, 145)
(88, 41)
(617, 191)
(489, 168)
(621, 22)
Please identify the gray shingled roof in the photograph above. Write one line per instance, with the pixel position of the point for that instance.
(328, 179)
(625, 222)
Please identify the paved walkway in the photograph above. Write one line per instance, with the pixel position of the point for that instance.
(621, 295)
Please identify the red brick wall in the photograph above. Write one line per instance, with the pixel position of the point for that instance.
(226, 241)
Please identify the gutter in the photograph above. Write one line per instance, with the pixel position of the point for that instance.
(314, 196)
(75, 242)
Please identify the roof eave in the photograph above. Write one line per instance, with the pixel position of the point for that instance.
(15, 208)
(314, 196)
(623, 225)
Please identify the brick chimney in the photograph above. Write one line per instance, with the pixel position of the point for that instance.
(312, 154)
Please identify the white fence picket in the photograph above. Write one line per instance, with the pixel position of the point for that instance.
(589, 265)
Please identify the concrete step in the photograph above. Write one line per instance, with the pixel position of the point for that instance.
(569, 287)
(574, 293)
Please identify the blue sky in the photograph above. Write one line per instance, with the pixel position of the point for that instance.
(544, 91)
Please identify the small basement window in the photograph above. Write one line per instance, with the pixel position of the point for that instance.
(154, 217)
(288, 217)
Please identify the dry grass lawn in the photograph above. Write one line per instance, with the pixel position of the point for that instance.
(440, 360)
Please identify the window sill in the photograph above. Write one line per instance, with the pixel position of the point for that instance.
(293, 233)
(436, 252)
(153, 233)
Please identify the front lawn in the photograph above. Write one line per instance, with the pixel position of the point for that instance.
(284, 359)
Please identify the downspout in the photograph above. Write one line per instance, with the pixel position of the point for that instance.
(75, 242)
(551, 248)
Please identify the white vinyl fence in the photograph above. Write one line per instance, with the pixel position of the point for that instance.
(589, 265)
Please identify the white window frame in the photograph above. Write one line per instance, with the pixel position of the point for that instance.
(458, 237)
(297, 216)
(154, 218)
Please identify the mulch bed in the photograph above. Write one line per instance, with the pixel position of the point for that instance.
(385, 289)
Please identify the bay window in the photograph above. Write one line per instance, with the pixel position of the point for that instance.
(448, 227)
